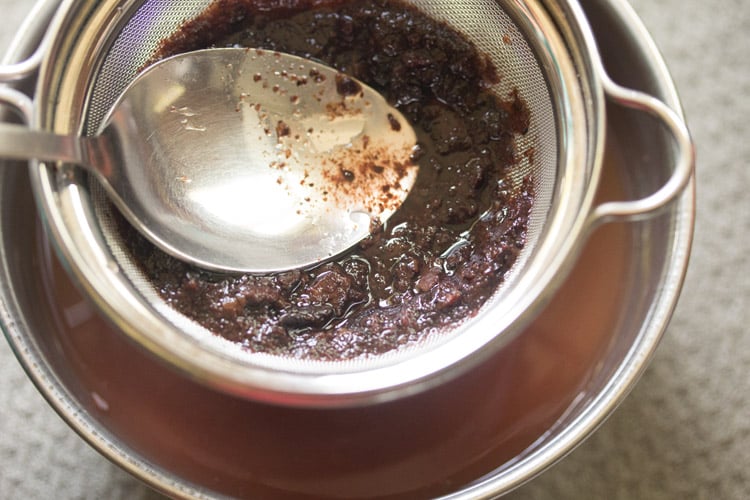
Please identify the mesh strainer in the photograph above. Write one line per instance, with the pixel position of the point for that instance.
(543, 48)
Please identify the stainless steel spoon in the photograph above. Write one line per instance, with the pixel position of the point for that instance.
(242, 159)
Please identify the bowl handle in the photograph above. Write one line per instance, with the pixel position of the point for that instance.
(18, 102)
(684, 158)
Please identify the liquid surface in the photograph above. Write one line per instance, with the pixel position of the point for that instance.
(423, 446)
(441, 256)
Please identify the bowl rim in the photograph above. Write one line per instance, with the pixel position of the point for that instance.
(595, 412)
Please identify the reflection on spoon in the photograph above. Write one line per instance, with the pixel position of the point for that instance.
(242, 159)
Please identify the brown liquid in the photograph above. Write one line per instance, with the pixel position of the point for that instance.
(425, 445)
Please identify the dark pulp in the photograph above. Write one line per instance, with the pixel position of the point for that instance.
(441, 255)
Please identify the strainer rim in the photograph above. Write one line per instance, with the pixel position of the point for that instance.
(93, 272)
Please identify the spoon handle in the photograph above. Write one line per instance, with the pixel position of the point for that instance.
(18, 142)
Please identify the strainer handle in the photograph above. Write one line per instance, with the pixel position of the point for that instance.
(684, 158)
(21, 70)
(14, 71)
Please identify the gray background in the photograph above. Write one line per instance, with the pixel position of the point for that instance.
(684, 432)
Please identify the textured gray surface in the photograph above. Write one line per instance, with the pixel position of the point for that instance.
(684, 432)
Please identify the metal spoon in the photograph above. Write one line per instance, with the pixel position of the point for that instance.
(243, 159)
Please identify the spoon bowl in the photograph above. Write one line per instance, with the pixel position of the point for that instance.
(243, 160)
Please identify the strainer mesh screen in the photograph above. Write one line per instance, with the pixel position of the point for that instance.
(495, 27)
